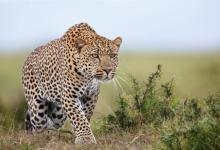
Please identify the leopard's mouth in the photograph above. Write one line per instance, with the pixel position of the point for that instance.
(104, 77)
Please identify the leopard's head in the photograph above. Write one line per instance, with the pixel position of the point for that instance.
(98, 58)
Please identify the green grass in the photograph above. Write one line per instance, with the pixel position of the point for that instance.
(194, 75)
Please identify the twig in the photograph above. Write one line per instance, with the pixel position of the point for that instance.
(134, 139)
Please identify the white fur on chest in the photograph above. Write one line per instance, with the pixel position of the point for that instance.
(93, 87)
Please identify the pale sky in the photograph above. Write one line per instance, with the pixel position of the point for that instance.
(160, 25)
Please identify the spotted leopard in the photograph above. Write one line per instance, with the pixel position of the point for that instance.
(62, 80)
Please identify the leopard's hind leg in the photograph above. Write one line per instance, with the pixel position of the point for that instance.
(56, 114)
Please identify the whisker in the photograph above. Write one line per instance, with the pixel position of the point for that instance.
(122, 73)
(116, 86)
(119, 85)
(124, 80)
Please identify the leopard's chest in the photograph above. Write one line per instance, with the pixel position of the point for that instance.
(92, 88)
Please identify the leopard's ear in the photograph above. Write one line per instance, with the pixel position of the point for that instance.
(80, 44)
(117, 41)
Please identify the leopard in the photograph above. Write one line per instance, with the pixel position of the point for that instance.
(62, 78)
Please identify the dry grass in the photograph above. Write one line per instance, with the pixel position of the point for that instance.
(64, 141)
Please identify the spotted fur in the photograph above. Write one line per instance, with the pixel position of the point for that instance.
(62, 80)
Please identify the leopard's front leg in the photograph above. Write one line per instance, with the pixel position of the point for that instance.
(88, 104)
(72, 106)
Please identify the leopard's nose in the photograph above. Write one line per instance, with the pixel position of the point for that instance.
(107, 70)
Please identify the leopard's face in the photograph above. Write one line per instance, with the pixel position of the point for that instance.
(99, 59)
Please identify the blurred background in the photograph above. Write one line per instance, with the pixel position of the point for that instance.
(183, 36)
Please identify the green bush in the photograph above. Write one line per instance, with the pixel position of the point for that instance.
(147, 103)
(122, 118)
(191, 128)
(213, 103)
(177, 125)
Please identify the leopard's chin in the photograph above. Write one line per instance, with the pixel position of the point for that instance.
(104, 79)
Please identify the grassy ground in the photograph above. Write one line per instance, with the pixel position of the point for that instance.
(64, 141)
(194, 75)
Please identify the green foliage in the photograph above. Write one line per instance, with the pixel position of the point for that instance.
(122, 117)
(191, 128)
(147, 103)
(175, 124)
(213, 103)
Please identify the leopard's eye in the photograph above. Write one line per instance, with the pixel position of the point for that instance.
(95, 55)
(112, 55)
